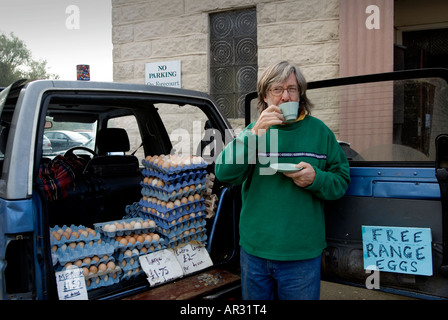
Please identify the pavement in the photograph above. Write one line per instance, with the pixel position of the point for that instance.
(335, 291)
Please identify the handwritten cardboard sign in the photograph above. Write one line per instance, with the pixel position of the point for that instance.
(398, 249)
(166, 265)
(161, 266)
(71, 284)
(193, 257)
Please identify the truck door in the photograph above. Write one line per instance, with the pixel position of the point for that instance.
(389, 232)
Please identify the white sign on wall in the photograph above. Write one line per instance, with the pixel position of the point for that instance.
(166, 74)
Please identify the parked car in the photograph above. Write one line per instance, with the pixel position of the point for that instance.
(62, 140)
(46, 146)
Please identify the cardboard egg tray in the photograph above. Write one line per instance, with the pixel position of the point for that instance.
(72, 238)
(103, 278)
(178, 222)
(97, 249)
(198, 236)
(173, 178)
(176, 170)
(130, 264)
(176, 212)
(120, 232)
(132, 272)
(119, 247)
(180, 230)
(132, 211)
(174, 234)
(171, 192)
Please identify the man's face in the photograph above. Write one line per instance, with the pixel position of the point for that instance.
(285, 96)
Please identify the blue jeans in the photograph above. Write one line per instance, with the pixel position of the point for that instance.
(263, 279)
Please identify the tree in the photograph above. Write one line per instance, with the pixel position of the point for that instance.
(16, 62)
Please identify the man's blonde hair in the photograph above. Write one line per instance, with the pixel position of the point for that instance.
(279, 72)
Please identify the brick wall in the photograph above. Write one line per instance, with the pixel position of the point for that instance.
(302, 31)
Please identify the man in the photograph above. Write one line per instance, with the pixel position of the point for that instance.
(282, 228)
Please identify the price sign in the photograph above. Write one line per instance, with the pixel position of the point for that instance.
(193, 257)
(161, 266)
(71, 284)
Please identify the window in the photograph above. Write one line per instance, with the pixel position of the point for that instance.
(386, 121)
(186, 126)
(62, 135)
(129, 123)
(233, 59)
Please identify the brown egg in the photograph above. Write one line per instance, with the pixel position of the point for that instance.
(93, 269)
(170, 205)
(102, 267)
(140, 239)
(143, 250)
(66, 235)
(119, 226)
(110, 265)
(123, 241)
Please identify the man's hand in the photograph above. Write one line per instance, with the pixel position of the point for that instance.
(304, 177)
(271, 116)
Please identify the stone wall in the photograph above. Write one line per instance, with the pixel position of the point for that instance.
(302, 31)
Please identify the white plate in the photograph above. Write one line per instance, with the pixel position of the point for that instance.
(285, 167)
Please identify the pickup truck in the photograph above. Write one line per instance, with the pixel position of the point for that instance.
(110, 180)
(389, 232)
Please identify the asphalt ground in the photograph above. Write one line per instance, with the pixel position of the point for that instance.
(335, 291)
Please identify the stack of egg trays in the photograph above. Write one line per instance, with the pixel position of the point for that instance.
(63, 240)
(180, 231)
(66, 254)
(173, 177)
(99, 227)
(130, 264)
(170, 191)
(173, 171)
(172, 226)
(133, 269)
(167, 219)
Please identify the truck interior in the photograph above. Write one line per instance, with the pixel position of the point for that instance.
(101, 181)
